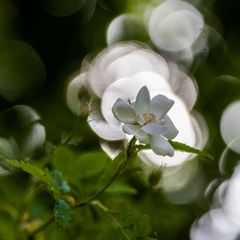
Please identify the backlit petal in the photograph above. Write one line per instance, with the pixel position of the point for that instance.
(142, 100)
(154, 129)
(137, 132)
(160, 105)
(124, 112)
(172, 131)
(161, 146)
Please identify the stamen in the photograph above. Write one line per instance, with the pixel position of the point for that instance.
(149, 118)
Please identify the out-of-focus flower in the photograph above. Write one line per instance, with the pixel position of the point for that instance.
(178, 28)
(147, 120)
(26, 134)
(175, 27)
(222, 222)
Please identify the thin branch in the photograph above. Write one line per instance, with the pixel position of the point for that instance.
(39, 229)
(122, 166)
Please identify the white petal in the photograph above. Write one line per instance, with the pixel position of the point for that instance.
(137, 132)
(142, 100)
(128, 88)
(98, 124)
(161, 146)
(160, 105)
(154, 129)
(124, 112)
(172, 131)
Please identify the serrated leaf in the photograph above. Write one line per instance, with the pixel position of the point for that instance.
(62, 213)
(43, 175)
(185, 148)
(178, 146)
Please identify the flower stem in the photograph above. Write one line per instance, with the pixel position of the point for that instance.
(119, 170)
(128, 152)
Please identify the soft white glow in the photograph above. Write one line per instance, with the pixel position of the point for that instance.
(97, 80)
(124, 27)
(72, 94)
(101, 127)
(177, 181)
(175, 25)
(230, 127)
(177, 28)
(222, 222)
(135, 62)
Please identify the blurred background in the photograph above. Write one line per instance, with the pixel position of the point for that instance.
(45, 44)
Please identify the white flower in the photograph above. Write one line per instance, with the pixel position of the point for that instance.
(120, 71)
(147, 120)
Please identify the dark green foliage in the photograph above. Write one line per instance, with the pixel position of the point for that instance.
(134, 224)
(78, 166)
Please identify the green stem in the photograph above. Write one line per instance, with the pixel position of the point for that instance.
(39, 229)
(115, 221)
(122, 166)
(119, 170)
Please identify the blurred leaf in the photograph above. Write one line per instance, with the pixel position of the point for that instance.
(112, 169)
(21, 115)
(120, 187)
(5, 149)
(73, 166)
(133, 224)
(7, 228)
(43, 175)
(62, 213)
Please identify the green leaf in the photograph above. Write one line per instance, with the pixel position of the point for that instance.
(120, 187)
(79, 166)
(43, 175)
(178, 146)
(7, 228)
(185, 148)
(135, 225)
(62, 213)
(5, 149)
(112, 169)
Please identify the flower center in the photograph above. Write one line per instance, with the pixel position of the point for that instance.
(149, 118)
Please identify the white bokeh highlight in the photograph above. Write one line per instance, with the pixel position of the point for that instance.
(230, 127)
